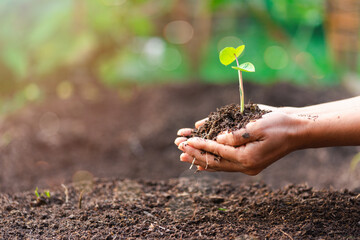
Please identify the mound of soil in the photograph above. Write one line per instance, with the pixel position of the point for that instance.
(195, 207)
(228, 118)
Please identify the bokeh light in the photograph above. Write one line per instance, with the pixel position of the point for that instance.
(64, 89)
(32, 92)
(172, 59)
(153, 51)
(276, 57)
(179, 32)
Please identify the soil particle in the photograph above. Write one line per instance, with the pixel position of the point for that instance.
(182, 208)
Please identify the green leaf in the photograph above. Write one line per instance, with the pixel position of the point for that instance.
(227, 55)
(37, 193)
(245, 67)
(47, 193)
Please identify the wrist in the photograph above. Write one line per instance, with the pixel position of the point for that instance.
(341, 128)
(299, 132)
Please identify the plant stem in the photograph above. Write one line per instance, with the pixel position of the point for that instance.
(241, 88)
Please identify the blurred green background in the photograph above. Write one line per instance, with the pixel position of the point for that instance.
(58, 45)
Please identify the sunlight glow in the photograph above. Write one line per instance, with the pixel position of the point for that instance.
(276, 57)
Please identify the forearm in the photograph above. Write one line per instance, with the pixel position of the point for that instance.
(338, 127)
(346, 104)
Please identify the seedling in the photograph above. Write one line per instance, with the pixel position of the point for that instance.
(223, 209)
(229, 55)
(37, 193)
(46, 193)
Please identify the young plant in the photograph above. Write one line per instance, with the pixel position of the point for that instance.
(229, 55)
(46, 193)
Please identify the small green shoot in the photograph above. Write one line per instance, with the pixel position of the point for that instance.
(229, 55)
(46, 193)
(37, 193)
(223, 209)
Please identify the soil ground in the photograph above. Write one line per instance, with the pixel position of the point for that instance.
(194, 207)
(130, 137)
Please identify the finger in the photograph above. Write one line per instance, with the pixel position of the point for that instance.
(205, 160)
(180, 140)
(224, 151)
(185, 132)
(184, 157)
(235, 138)
(200, 168)
(209, 162)
(200, 122)
(241, 136)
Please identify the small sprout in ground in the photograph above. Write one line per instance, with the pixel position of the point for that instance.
(81, 198)
(229, 55)
(45, 194)
(66, 193)
(223, 209)
(41, 198)
(37, 192)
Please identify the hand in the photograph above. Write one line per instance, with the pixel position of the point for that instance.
(185, 133)
(248, 150)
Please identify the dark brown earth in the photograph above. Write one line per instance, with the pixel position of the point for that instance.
(195, 207)
(130, 136)
(228, 118)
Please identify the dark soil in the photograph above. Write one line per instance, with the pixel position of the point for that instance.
(194, 207)
(130, 137)
(228, 118)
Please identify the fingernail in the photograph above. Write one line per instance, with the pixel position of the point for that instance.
(176, 141)
(182, 146)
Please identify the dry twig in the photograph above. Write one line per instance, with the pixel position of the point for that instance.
(66, 190)
(286, 234)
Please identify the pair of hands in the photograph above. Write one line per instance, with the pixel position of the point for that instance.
(248, 150)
